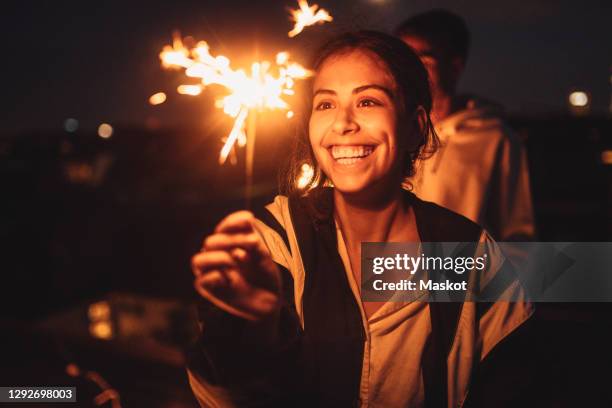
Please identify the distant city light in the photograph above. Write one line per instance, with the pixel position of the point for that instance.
(78, 172)
(105, 130)
(290, 114)
(99, 311)
(606, 157)
(101, 330)
(73, 370)
(157, 99)
(578, 99)
(99, 314)
(71, 125)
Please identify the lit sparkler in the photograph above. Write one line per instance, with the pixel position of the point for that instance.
(259, 90)
(264, 88)
(307, 15)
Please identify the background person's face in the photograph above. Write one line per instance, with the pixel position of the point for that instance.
(443, 75)
(353, 127)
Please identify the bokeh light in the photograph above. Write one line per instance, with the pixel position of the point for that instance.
(105, 130)
(101, 330)
(578, 98)
(306, 175)
(71, 125)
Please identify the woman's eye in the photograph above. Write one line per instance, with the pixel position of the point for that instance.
(323, 106)
(368, 103)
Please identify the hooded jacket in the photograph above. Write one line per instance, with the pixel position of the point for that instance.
(480, 171)
(330, 353)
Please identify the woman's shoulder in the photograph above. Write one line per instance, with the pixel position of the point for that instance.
(275, 214)
(279, 204)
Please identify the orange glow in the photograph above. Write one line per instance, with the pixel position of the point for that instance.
(99, 311)
(101, 330)
(192, 90)
(100, 324)
(306, 175)
(263, 87)
(306, 16)
(73, 370)
(157, 99)
(606, 157)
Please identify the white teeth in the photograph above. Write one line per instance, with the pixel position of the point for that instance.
(350, 154)
(349, 161)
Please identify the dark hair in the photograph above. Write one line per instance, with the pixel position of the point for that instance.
(446, 31)
(413, 90)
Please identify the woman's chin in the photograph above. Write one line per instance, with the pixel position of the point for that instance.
(347, 185)
(365, 188)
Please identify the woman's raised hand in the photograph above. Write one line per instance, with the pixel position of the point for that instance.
(234, 269)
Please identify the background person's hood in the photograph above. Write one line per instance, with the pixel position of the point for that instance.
(472, 113)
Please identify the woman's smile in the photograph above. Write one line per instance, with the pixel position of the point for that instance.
(347, 155)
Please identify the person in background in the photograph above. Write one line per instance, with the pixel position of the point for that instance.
(480, 170)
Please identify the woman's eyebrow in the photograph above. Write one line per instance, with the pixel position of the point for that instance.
(324, 91)
(357, 90)
(373, 86)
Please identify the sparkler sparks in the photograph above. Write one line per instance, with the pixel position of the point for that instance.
(307, 15)
(306, 175)
(263, 88)
(157, 99)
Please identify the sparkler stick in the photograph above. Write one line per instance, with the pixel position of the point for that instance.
(234, 135)
(250, 156)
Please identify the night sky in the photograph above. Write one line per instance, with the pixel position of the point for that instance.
(98, 61)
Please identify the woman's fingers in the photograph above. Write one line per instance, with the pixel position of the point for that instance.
(240, 221)
(240, 255)
(211, 260)
(224, 241)
(213, 279)
(242, 300)
(234, 269)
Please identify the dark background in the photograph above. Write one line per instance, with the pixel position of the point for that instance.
(98, 61)
(85, 219)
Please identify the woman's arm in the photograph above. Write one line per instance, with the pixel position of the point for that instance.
(247, 350)
(235, 362)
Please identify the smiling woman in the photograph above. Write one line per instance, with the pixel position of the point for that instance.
(283, 320)
(370, 87)
(353, 123)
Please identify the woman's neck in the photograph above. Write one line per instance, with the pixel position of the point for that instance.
(381, 219)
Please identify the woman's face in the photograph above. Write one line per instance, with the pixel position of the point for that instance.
(353, 126)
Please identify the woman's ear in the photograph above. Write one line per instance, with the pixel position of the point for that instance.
(421, 119)
(420, 124)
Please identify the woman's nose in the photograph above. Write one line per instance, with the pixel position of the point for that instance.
(344, 122)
